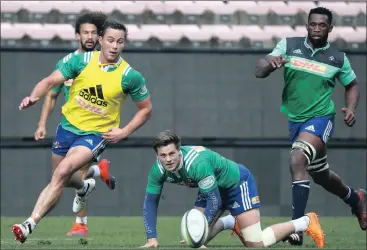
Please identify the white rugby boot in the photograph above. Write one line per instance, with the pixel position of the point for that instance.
(81, 200)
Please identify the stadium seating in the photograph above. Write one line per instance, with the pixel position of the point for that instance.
(227, 24)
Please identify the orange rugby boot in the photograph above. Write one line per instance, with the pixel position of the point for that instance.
(104, 168)
(78, 229)
(315, 231)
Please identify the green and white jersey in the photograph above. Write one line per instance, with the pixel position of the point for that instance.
(132, 82)
(67, 84)
(200, 167)
(310, 77)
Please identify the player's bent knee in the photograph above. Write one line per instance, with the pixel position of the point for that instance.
(268, 237)
(252, 235)
(255, 237)
(63, 171)
(298, 162)
(305, 148)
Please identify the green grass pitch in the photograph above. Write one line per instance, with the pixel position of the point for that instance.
(128, 233)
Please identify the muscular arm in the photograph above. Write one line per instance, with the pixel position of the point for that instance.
(134, 85)
(352, 95)
(348, 79)
(44, 86)
(263, 68)
(47, 107)
(143, 115)
(151, 203)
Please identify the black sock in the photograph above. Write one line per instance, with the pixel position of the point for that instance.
(352, 198)
(300, 191)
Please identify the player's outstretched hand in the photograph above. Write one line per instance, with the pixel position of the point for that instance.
(349, 117)
(27, 102)
(277, 61)
(40, 133)
(114, 135)
(151, 243)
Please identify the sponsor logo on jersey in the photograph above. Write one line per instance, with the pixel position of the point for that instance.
(94, 95)
(310, 66)
(207, 182)
(90, 107)
(297, 51)
(255, 200)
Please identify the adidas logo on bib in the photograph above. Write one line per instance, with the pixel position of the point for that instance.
(94, 95)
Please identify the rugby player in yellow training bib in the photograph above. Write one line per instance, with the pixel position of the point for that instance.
(87, 27)
(102, 81)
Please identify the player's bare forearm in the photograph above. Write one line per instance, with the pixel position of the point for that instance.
(144, 113)
(263, 68)
(138, 120)
(47, 107)
(352, 95)
(42, 88)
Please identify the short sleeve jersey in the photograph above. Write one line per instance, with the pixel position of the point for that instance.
(310, 77)
(201, 167)
(67, 84)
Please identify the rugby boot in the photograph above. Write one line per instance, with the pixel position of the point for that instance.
(315, 231)
(360, 210)
(295, 239)
(21, 231)
(78, 229)
(80, 200)
(104, 168)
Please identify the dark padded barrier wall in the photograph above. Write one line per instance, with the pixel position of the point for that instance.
(197, 95)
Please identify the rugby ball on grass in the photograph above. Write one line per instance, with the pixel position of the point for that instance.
(194, 228)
